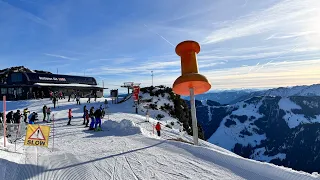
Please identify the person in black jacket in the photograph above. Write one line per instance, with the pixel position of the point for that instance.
(84, 114)
(17, 116)
(54, 100)
(44, 111)
(98, 115)
(9, 117)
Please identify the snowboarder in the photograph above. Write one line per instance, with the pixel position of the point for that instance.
(48, 114)
(158, 128)
(54, 100)
(69, 116)
(98, 115)
(44, 111)
(84, 114)
(25, 114)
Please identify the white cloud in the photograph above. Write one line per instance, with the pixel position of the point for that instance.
(282, 16)
(60, 56)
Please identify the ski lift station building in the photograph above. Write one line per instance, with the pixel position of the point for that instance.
(28, 85)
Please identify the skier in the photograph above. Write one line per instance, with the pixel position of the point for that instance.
(91, 114)
(44, 111)
(89, 99)
(32, 118)
(87, 118)
(158, 128)
(54, 100)
(25, 114)
(69, 116)
(48, 114)
(98, 115)
(84, 114)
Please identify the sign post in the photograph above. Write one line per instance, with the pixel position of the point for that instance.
(52, 132)
(190, 82)
(4, 122)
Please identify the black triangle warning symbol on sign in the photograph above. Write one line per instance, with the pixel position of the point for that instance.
(37, 135)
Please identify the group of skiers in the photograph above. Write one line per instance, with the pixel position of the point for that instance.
(28, 117)
(94, 115)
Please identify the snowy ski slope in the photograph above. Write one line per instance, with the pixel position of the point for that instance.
(126, 149)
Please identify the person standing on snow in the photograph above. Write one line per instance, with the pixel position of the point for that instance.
(147, 115)
(17, 116)
(158, 128)
(51, 95)
(91, 114)
(78, 99)
(69, 116)
(9, 117)
(84, 114)
(44, 111)
(48, 114)
(98, 115)
(32, 118)
(87, 118)
(54, 100)
(25, 114)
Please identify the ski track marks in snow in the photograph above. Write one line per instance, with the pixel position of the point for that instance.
(127, 149)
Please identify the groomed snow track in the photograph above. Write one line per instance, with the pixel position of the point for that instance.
(127, 149)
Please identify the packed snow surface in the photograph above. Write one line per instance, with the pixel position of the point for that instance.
(127, 148)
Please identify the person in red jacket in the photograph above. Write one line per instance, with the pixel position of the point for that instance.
(158, 128)
(69, 116)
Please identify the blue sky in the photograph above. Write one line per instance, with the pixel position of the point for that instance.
(244, 43)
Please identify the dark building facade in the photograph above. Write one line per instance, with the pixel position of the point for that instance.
(22, 85)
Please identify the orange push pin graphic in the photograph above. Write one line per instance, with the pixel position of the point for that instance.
(190, 82)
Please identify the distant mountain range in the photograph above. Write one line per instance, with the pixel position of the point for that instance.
(281, 126)
(234, 96)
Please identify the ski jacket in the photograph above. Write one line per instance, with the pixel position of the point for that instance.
(25, 112)
(70, 114)
(48, 111)
(158, 127)
(44, 109)
(98, 113)
(91, 114)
